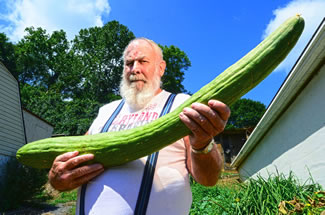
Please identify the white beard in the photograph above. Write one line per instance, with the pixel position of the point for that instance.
(135, 98)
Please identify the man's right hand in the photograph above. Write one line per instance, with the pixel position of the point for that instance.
(67, 174)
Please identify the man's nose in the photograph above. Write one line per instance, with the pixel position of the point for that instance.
(136, 67)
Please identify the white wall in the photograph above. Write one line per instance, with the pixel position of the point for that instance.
(12, 135)
(36, 128)
(297, 140)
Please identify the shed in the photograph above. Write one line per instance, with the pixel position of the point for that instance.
(18, 125)
(232, 140)
(291, 134)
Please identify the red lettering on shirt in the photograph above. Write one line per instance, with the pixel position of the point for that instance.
(154, 116)
(141, 117)
(147, 117)
(125, 117)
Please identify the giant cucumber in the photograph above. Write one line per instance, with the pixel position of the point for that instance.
(116, 148)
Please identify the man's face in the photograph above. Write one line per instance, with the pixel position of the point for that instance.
(141, 64)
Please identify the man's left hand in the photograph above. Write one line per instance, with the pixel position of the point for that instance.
(205, 121)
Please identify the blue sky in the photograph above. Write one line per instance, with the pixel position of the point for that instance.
(214, 34)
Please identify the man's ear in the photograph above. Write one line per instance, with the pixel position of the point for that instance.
(162, 67)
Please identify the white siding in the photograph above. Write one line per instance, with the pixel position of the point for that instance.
(12, 135)
(297, 140)
(36, 128)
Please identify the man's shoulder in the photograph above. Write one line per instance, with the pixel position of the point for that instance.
(182, 96)
(178, 95)
(108, 107)
(179, 99)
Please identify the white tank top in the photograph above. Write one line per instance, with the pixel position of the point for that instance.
(116, 190)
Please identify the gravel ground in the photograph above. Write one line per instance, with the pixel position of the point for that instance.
(59, 209)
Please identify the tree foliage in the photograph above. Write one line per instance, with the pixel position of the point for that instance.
(65, 82)
(245, 113)
(7, 54)
(100, 50)
(42, 59)
(177, 63)
(69, 117)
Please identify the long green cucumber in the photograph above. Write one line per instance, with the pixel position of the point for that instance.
(116, 148)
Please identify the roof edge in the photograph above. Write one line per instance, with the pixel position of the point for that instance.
(40, 118)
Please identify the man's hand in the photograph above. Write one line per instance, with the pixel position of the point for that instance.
(205, 121)
(67, 174)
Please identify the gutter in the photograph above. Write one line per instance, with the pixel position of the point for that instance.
(307, 66)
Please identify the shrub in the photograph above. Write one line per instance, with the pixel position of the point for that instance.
(19, 183)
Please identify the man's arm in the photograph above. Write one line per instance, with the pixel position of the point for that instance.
(204, 168)
(205, 122)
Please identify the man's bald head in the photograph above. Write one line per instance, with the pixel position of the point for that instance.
(154, 45)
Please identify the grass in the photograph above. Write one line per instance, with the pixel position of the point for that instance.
(60, 198)
(64, 197)
(276, 195)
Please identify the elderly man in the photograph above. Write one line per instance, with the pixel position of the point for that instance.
(116, 190)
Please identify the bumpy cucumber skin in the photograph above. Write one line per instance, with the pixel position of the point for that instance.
(116, 148)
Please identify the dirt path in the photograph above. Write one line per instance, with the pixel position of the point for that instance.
(59, 209)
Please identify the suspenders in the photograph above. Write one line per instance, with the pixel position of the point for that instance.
(149, 170)
(104, 129)
(112, 117)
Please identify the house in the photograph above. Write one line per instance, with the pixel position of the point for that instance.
(36, 128)
(17, 127)
(291, 134)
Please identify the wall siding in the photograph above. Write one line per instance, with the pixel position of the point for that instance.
(297, 140)
(36, 129)
(12, 135)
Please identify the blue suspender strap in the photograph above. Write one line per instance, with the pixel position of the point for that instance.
(113, 116)
(149, 170)
(105, 129)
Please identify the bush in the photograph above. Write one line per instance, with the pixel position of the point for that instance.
(19, 183)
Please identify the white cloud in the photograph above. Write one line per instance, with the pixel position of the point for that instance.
(313, 12)
(69, 15)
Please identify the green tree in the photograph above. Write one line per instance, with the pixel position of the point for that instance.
(177, 64)
(7, 54)
(45, 60)
(69, 117)
(245, 113)
(100, 50)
